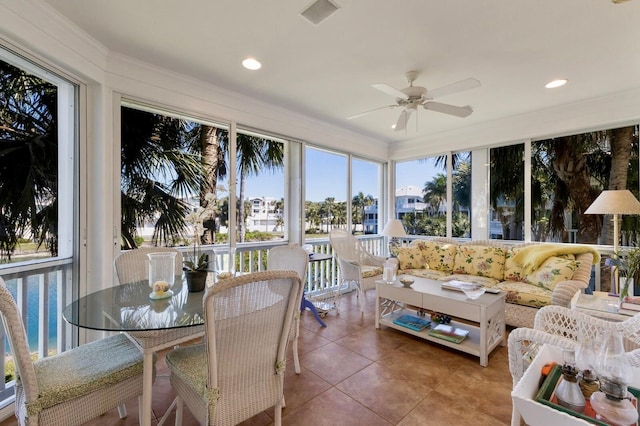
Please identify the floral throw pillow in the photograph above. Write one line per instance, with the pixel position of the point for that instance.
(513, 271)
(410, 258)
(482, 261)
(439, 256)
(552, 271)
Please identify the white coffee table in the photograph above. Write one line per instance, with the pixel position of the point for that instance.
(486, 313)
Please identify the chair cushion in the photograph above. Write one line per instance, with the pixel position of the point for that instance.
(410, 258)
(482, 261)
(370, 271)
(85, 369)
(190, 364)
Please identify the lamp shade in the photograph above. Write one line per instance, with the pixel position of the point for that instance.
(394, 229)
(620, 201)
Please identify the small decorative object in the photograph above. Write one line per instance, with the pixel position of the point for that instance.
(440, 318)
(162, 267)
(473, 291)
(225, 265)
(197, 264)
(586, 357)
(389, 272)
(568, 392)
(611, 403)
(406, 280)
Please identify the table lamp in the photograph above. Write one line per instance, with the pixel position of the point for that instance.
(393, 229)
(615, 202)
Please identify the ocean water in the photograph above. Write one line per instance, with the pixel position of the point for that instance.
(33, 300)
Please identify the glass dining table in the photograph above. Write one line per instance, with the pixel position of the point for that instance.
(152, 324)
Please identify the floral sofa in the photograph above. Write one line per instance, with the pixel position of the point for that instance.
(532, 274)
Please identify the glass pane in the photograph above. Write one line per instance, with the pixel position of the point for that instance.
(168, 165)
(365, 194)
(569, 172)
(506, 172)
(29, 172)
(260, 175)
(325, 191)
(461, 197)
(421, 195)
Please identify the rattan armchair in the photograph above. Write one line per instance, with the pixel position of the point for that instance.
(75, 386)
(132, 266)
(356, 264)
(297, 259)
(239, 371)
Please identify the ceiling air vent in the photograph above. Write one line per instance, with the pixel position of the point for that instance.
(319, 10)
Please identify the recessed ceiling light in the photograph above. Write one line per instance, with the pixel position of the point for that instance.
(556, 83)
(393, 126)
(251, 64)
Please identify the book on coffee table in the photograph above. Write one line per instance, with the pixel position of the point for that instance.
(447, 332)
(412, 322)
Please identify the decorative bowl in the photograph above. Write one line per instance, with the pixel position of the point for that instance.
(406, 281)
(473, 291)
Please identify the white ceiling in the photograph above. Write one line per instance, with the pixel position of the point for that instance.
(513, 47)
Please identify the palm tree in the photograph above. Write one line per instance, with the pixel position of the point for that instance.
(254, 154)
(28, 160)
(157, 174)
(435, 192)
(327, 207)
(358, 204)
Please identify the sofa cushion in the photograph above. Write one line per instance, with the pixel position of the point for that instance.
(482, 261)
(439, 256)
(525, 294)
(410, 258)
(473, 279)
(552, 271)
(431, 274)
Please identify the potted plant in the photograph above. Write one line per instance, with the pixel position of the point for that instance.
(627, 263)
(197, 264)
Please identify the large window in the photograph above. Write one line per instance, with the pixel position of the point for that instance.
(326, 191)
(168, 165)
(260, 167)
(365, 190)
(506, 172)
(38, 202)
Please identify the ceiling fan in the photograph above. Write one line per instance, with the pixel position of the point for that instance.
(410, 98)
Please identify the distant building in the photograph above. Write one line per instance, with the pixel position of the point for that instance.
(409, 200)
(264, 215)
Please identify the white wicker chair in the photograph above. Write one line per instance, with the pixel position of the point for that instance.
(297, 259)
(105, 374)
(239, 371)
(356, 263)
(132, 266)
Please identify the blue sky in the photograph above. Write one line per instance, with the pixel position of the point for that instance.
(330, 170)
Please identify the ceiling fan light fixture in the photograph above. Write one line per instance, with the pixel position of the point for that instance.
(556, 83)
(251, 64)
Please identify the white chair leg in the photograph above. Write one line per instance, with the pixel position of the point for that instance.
(296, 360)
(179, 410)
(122, 411)
(139, 409)
(277, 418)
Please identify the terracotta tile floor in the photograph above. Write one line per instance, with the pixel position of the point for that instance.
(353, 374)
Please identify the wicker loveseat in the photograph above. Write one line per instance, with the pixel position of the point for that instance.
(533, 274)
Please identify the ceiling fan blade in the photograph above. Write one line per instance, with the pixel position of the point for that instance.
(449, 109)
(389, 90)
(371, 110)
(469, 83)
(401, 124)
